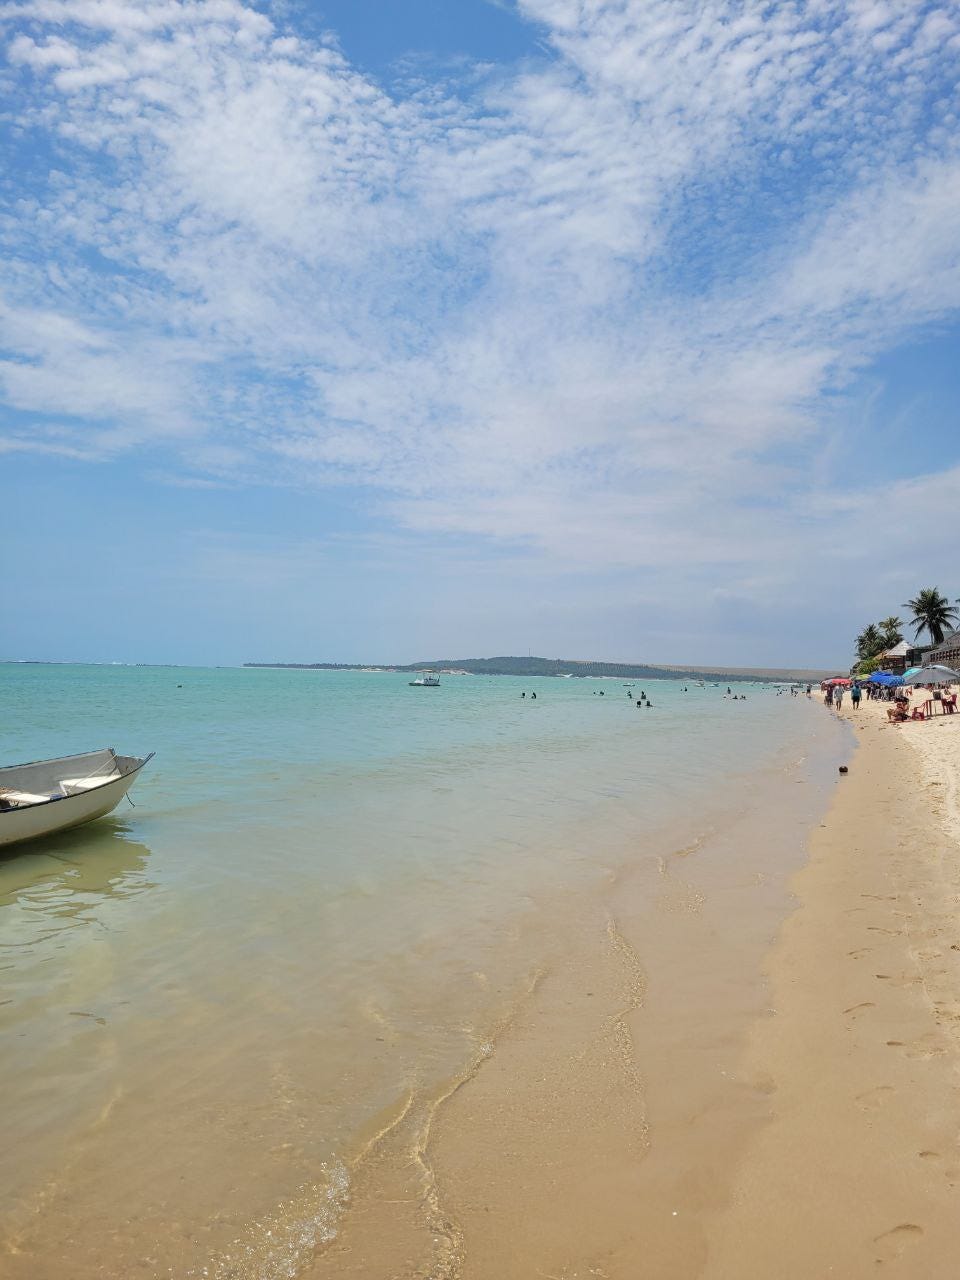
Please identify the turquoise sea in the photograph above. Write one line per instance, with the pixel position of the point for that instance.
(332, 890)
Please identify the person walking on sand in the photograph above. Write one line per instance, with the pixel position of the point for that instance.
(838, 696)
(855, 697)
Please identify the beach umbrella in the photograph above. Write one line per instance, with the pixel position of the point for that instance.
(931, 675)
(911, 671)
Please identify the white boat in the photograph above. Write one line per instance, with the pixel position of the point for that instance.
(429, 680)
(46, 796)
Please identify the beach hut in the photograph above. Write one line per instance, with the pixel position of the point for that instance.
(895, 659)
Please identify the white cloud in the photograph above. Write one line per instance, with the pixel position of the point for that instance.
(591, 304)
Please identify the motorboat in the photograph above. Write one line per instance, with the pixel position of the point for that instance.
(47, 796)
(429, 680)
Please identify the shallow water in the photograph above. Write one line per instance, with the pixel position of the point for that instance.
(333, 893)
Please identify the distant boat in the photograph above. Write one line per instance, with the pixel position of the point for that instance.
(429, 680)
(47, 796)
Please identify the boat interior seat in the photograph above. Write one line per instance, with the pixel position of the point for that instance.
(19, 799)
(76, 786)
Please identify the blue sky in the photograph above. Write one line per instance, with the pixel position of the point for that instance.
(394, 329)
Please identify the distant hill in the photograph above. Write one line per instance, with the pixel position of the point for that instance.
(530, 666)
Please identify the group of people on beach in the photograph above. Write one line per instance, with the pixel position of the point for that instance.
(898, 695)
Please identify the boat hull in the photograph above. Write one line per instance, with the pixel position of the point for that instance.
(35, 821)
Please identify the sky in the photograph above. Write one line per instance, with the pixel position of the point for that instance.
(389, 330)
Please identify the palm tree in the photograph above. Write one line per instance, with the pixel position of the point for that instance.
(869, 641)
(890, 628)
(932, 612)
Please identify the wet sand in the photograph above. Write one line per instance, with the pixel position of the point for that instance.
(702, 1090)
(597, 1135)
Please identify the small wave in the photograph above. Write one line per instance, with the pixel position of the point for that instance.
(278, 1246)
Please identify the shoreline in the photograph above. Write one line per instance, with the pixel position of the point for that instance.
(857, 1167)
(599, 1127)
(732, 1076)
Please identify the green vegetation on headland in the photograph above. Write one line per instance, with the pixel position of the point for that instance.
(559, 667)
(932, 612)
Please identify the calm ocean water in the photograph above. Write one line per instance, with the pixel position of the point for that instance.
(331, 891)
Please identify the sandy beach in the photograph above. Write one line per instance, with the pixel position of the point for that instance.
(857, 1169)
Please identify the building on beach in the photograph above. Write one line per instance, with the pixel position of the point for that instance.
(947, 652)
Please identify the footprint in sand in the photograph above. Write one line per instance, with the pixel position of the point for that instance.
(858, 1010)
(859, 952)
(925, 1047)
(873, 1099)
(892, 1243)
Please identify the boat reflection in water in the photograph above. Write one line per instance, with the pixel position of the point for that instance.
(68, 879)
